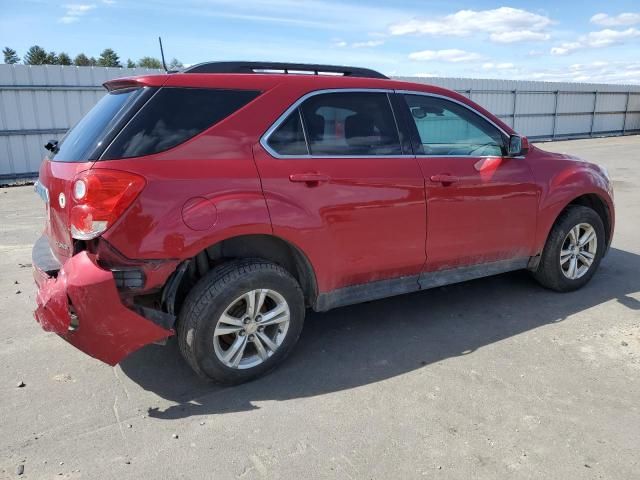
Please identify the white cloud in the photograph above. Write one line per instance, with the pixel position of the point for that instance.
(109, 2)
(367, 44)
(78, 9)
(370, 43)
(74, 11)
(68, 20)
(519, 36)
(504, 25)
(622, 19)
(599, 39)
(423, 74)
(498, 66)
(452, 55)
(594, 72)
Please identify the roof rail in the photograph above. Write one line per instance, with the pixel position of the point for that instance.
(275, 67)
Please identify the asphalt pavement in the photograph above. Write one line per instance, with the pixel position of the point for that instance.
(494, 378)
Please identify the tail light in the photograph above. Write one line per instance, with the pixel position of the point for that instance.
(100, 197)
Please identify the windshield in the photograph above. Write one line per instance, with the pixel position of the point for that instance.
(88, 138)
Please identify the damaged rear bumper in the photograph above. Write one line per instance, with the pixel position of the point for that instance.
(81, 304)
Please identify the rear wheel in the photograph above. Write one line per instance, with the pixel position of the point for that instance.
(573, 250)
(241, 320)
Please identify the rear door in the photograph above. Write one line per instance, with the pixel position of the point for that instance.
(481, 204)
(339, 185)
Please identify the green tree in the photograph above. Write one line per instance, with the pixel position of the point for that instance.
(149, 62)
(36, 55)
(93, 62)
(10, 55)
(52, 59)
(64, 59)
(131, 63)
(109, 58)
(81, 60)
(175, 64)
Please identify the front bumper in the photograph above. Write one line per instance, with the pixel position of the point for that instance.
(82, 305)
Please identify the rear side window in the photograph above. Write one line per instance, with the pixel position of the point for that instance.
(350, 123)
(174, 115)
(85, 141)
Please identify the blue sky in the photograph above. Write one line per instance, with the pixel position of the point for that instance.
(562, 40)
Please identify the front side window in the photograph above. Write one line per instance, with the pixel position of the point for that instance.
(350, 123)
(447, 128)
(174, 115)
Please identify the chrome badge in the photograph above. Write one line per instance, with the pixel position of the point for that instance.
(62, 200)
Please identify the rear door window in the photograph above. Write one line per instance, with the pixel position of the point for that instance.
(174, 115)
(350, 124)
(288, 138)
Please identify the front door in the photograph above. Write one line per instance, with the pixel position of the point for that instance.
(481, 204)
(339, 186)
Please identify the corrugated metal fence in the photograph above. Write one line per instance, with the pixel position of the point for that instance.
(553, 110)
(42, 102)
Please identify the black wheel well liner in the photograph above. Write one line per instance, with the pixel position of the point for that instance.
(267, 247)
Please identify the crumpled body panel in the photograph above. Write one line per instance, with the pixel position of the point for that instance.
(106, 330)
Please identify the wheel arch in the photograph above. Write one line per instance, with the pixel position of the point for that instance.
(599, 205)
(592, 200)
(263, 246)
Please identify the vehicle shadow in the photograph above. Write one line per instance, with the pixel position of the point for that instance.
(371, 342)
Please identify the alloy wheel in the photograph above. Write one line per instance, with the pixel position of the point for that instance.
(251, 329)
(578, 251)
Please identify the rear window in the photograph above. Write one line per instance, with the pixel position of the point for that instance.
(174, 115)
(86, 140)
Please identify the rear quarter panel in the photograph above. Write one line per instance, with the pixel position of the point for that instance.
(198, 193)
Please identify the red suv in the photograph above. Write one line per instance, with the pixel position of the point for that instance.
(220, 202)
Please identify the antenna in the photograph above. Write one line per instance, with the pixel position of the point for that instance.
(164, 65)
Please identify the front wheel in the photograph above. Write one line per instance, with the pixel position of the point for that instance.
(241, 320)
(573, 250)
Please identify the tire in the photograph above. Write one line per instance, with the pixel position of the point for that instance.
(231, 289)
(556, 276)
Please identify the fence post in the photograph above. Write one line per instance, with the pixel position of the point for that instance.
(515, 106)
(626, 112)
(555, 115)
(593, 114)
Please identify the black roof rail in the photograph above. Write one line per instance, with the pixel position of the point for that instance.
(276, 67)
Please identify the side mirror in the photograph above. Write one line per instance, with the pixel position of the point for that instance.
(518, 146)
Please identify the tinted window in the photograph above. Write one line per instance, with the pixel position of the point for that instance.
(288, 139)
(82, 141)
(447, 128)
(350, 123)
(172, 116)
